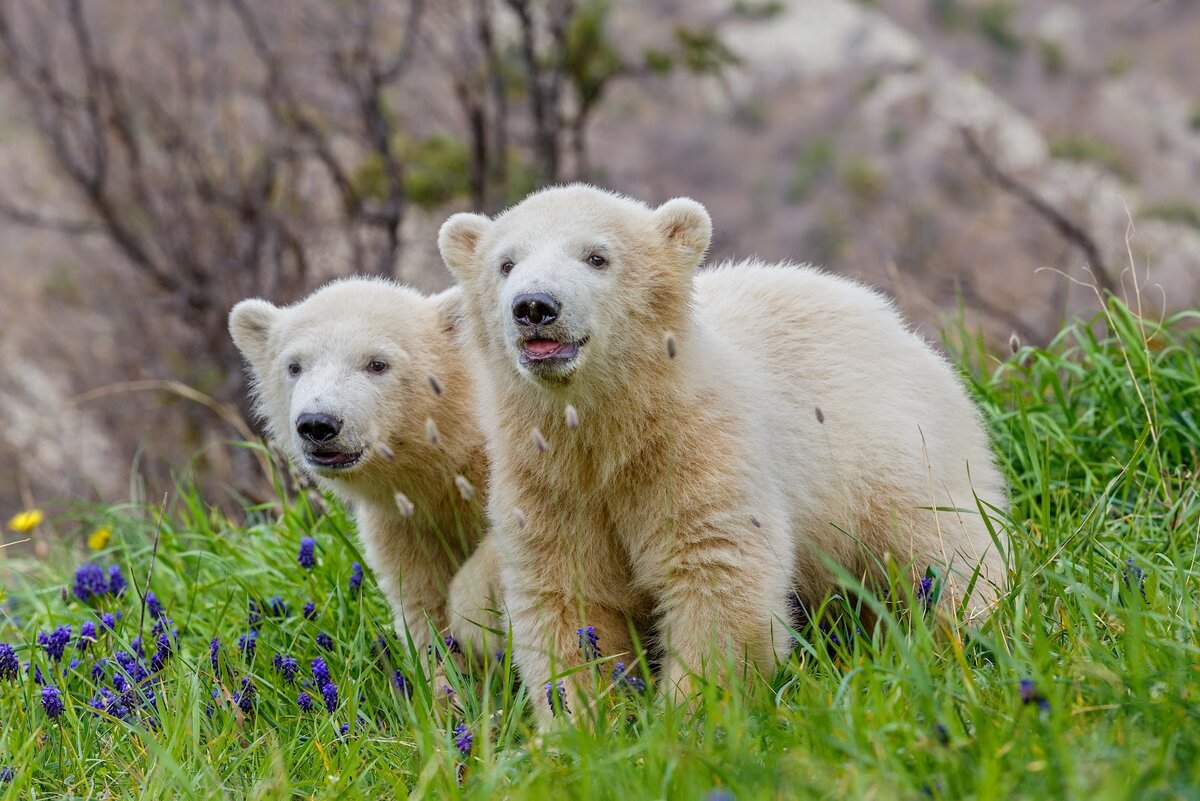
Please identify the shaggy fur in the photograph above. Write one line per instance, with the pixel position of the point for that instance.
(333, 336)
(798, 418)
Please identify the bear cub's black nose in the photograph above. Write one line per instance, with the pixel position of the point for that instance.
(318, 428)
(537, 308)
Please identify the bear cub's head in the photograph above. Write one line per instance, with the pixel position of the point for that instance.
(336, 375)
(575, 280)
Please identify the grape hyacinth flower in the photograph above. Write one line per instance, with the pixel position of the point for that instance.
(554, 689)
(402, 684)
(52, 701)
(1031, 695)
(9, 666)
(288, 667)
(1132, 573)
(356, 578)
(99, 668)
(589, 642)
(629, 680)
(279, 607)
(116, 581)
(305, 702)
(253, 613)
(108, 621)
(214, 650)
(244, 698)
(89, 582)
(136, 645)
(247, 643)
(87, 635)
(325, 641)
(132, 667)
(925, 591)
(162, 654)
(320, 672)
(308, 553)
(463, 739)
(74, 663)
(38, 678)
(153, 605)
(55, 642)
(310, 610)
(7, 774)
(329, 691)
(452, 645)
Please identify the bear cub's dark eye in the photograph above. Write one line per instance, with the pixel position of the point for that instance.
(377, 366)
(597, 261)
(294, 368)
(506, 266)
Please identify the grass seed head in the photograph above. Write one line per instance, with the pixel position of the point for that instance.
(669, 344)
(572, 417)
(404, 505)
(434, 384)
(386, 452)
(820, 415)
(431, 431)
(520, 518)
(464, 487)
(539, 441)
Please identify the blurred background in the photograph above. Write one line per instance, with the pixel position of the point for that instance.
(162, 159)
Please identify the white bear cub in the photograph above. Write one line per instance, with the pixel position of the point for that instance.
(363, 385)
(680, 452)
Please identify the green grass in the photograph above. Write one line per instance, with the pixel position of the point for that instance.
(1099, 434)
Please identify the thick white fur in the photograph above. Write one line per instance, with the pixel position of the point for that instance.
(700, 491)
(333, 335)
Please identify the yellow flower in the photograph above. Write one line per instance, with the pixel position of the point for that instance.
(99, 538)
(27, 520)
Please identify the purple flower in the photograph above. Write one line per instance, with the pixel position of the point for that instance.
(108, 621)
(308, 553)
(214, 650)
(244, 698)
(325, 641)
(452, 645)
(627, 680)
(162, 654)
(288, 667)
(1031, 695)
(132, 667)
(55, 642)
(9, 666)
(305, 702)
(38, 678)
(87, 635)
(589, 642)
(555, 691)
(253, 613)
(7, 774)
(153, 605)
(74, 663)
(320, 672)
(356, 578)
(344, 730)
(247, 643)
(52, 701)
(136, 645)
(98, 669)
(1132, 573)
(463, 739)
(381, 646)
(89, 582)
(925, 591)
(116, 581)
(329, 691)
(310, 610)
(402, 684)
(279, 607)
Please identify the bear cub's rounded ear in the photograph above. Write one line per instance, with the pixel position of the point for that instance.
(457, 240)
(686, 224)
(250, 325)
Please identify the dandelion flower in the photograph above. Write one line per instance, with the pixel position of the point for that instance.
(99, 538)
(463, 739)
(308, 553)
(26, 521)
(52, 701)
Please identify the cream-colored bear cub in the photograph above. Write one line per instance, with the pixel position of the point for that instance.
(680, 450)
(363, 385)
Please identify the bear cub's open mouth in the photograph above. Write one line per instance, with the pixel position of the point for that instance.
(549, 351)
(337, 460)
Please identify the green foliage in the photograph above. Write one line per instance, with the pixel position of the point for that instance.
(757, 10)
(658, 62)
(1054, 58)
(701, 51)
(863, 180)
(589, 58)
(1179, 211)
(1092, 150)
(947, 14)
(995, 22)
(435, 171)
(1082, 683)
(1194, 120)
(814, 164)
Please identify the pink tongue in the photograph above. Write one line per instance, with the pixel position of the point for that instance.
(541, 347)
